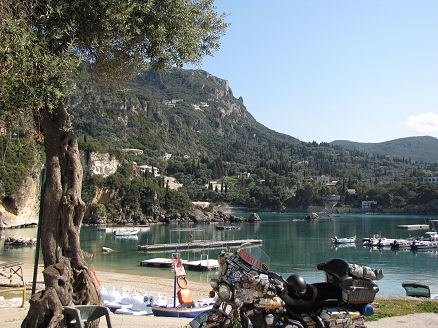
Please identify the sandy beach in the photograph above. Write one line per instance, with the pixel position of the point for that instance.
(12, 314)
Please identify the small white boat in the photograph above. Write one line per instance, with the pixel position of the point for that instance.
(401, 243)
(423, 244)
(345, 240)
(378, 242)
(125, 233)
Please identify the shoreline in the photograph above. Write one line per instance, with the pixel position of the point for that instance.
(235, 211)
(12, 314)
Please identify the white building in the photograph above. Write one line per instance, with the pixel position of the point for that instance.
(144, 168)
(323, 179)
(167, 156)
(334, 198)
(172, 183)
(201, 204)
(244, 175)
(368, 203)
(432, 180)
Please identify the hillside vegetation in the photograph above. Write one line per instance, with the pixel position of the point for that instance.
(419, 149)
(213, 138)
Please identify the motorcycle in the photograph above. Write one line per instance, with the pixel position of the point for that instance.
(249, 295)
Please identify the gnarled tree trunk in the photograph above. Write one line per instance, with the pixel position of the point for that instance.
(66, 275)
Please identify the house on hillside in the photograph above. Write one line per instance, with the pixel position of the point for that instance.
(172, 183)
(150, 169)
(351, 191)
(167, 156)
(214, 185)
(432, 180)
(334, 198)
(244, 175)
(332, 183)
(133, 150)
(201, 204)
(322, 179)
(366, 204)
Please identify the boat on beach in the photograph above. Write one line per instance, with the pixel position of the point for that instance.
(183, 305)
(180, 312)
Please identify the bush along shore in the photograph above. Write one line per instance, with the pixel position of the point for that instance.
(194, 216)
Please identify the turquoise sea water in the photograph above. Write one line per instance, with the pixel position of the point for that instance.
(293, 245)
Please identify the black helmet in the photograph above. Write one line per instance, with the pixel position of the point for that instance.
(296, 285)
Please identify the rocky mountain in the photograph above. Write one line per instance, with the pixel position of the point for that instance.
(419, 149)
(185, 112)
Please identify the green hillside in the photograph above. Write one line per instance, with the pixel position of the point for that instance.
(212, 137)
(420, 149)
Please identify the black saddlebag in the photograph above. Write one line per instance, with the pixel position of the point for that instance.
(354, 290)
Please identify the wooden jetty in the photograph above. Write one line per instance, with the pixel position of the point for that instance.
(199, 245)
(414, 226)
(227, 228)
(202, 265)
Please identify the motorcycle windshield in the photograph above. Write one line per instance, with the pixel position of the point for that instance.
(255, 256)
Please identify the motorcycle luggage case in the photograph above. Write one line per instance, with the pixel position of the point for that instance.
(361, 291)
(339, 318)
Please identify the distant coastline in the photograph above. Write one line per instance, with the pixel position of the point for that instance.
(336, 210)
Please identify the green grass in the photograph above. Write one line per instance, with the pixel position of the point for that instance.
(397, 307)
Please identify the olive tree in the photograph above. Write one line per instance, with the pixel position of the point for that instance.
(43, 42)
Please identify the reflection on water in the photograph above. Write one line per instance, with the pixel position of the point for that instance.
(293, 245)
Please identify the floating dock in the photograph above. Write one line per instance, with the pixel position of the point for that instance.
(414, 226)
(199, 245)
(202, 265)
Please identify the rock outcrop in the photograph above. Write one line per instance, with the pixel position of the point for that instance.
(21, 209)
(312, 217)
(20, 241)
(254, 217)
(97, 163)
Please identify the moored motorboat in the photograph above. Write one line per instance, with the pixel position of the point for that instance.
(401, 243)
(227, 227)
(345, 240)
(378, 242)
(424, 244)
(125, 233)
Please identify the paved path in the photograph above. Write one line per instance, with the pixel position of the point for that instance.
(418, 320)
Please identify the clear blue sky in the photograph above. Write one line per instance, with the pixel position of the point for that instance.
(364, 71)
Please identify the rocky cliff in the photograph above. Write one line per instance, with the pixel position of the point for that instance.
(22, 209)
(97, 163)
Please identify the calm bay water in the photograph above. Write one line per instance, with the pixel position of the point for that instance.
(292, 244)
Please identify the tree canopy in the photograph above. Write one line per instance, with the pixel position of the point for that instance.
(42, 44)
